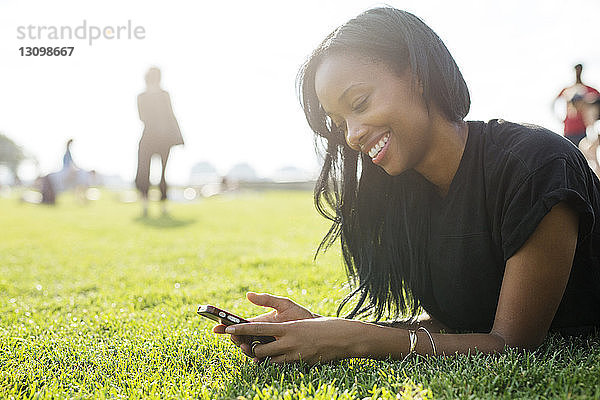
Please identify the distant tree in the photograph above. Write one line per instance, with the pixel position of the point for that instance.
(11, 155)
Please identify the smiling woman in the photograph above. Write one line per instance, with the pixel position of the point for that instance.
(492, 229)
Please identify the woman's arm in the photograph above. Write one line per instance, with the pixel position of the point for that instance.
(534, 282)
(532, 288)
(535, 279)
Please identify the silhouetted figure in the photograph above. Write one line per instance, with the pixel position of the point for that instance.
(225, 184)
(161, 132)
(47, 189)
(589, 145)
(573, 95)
(69, 173)
(68, 158)
(79, 180)
(69, 177)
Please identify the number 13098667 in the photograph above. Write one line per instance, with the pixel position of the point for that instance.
(46, 51)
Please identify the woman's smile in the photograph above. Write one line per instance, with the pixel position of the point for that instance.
(377, 152)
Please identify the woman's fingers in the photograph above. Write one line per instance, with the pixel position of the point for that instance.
(268, 300)
(219, 329)
(266, 317)
(236, 339)
(244, 333)
(247, 350)
(256, 329)
(272, 349)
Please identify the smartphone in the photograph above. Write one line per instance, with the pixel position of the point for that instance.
(227, 318)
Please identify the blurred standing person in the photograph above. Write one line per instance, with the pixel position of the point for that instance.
(161, 132)
(67, 157)
(574, 122)
(68, 175)
(589, 145)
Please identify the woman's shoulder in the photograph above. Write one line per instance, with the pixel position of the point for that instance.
(529, 145)
(519, 137)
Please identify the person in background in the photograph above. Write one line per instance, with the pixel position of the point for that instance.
(161, 132)
(67, 177)
(589, 144)
(574, 129)
(67, 157)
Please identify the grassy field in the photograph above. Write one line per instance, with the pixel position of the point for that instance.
(97, 302)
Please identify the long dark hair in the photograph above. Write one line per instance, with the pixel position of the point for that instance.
(382, 221)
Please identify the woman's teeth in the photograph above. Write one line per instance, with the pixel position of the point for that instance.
(377, 148)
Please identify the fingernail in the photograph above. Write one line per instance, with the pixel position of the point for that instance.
(230, 329)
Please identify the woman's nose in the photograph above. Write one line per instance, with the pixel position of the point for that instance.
(355, 134)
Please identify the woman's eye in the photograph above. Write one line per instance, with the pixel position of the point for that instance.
(360, 104)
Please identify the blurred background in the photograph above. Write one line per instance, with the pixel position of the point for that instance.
(230, 69)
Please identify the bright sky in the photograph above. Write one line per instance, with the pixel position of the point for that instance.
(230, 68)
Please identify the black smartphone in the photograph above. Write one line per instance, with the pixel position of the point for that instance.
(227, 318)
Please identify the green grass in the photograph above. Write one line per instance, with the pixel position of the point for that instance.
(96, 302)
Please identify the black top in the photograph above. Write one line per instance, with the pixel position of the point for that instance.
(509, 178)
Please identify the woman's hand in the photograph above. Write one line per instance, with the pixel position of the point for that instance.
(284, 310)
(308, 340)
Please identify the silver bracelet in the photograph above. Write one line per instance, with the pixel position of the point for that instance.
(430, 339)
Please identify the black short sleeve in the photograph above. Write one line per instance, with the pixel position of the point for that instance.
(509, 178)
(534, 196)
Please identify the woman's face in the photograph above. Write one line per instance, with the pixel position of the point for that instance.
(382, 114)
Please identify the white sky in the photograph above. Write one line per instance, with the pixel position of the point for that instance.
(230, 68)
